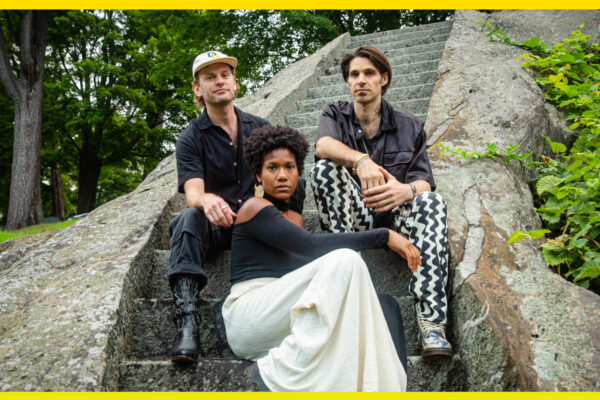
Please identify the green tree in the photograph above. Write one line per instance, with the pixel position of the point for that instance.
(116, 92)
(22, 54)
(359, 22)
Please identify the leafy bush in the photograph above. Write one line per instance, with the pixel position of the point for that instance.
(568, 184)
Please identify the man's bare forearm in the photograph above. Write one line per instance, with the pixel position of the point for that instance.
(194, 190)
(336, 151)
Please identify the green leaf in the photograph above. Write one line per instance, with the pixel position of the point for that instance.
(516, 236)
(555, 78)
(532, 43)
(589, 272)
(555, 146)
(557, 257)
(566, 58)
(546, 183)
(536, 234)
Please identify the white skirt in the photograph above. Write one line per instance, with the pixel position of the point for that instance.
(318, 328)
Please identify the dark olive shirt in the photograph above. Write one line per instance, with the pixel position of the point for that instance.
(399, 146)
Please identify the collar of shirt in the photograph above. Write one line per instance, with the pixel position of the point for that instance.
(387, 124)
(204, 121)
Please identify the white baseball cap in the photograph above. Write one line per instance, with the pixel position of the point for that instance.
(212, 57)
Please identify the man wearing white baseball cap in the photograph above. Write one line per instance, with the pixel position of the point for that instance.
(215, 178)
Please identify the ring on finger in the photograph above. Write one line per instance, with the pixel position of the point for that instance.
(224, 207)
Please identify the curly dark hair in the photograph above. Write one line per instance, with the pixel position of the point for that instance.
(267, 138)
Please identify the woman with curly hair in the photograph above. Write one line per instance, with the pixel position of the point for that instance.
(302, 304)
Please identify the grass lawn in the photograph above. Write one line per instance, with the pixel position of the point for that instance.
(32, 230)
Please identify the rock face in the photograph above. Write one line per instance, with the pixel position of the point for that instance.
(65, 302)
(517, 324)
(552, 26)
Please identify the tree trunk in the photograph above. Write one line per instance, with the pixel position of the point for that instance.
(89, 172)
(26, 92)
(24, 207)
(58, 200)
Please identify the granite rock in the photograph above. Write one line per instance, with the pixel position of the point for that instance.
(517, 325)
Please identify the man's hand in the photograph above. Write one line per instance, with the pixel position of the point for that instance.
(217, 210)
(386, 196)
(406, 249)
(369, 174)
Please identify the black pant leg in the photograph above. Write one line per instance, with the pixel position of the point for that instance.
(193, 239)
(393, 318)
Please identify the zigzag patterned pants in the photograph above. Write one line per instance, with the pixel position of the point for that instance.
(341, 208)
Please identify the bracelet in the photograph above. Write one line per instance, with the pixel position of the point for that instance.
(358, 161)
(414, 190)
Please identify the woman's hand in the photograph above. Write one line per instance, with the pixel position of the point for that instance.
(406, 249)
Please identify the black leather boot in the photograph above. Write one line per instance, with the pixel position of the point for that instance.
(186, 290)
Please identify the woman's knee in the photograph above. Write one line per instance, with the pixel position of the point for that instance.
(346, 259)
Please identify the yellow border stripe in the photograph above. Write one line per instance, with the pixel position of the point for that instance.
(307, 4)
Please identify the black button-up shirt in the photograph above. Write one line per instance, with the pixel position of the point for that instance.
(400, 145)
(205, 151)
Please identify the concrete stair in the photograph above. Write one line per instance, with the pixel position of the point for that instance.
(414, 54)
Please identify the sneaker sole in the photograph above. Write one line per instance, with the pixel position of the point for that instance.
(437, 353)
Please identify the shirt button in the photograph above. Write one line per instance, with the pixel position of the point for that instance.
(239, 200)
(235, 163)
(231, 143)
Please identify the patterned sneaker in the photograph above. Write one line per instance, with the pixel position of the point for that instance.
(433, 339)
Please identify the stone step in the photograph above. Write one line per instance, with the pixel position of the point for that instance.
(397, 70)
(436, 375)
(401, 36)
(422, 48)
(414, 106)
(385, 47)
(154, 330)
(204, 376)
(415, 28)
(400, 60)
(395, 95)
(232, 376)
(398, 82)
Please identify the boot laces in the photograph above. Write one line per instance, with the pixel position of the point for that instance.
(429, 326)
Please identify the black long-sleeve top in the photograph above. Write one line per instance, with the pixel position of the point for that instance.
(268, 245)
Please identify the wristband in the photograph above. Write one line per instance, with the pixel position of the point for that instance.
(358, 161)
(414, 190)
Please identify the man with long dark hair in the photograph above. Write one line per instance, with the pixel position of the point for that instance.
(372, 171)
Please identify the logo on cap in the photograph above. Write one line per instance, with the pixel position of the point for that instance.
(212, 54)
